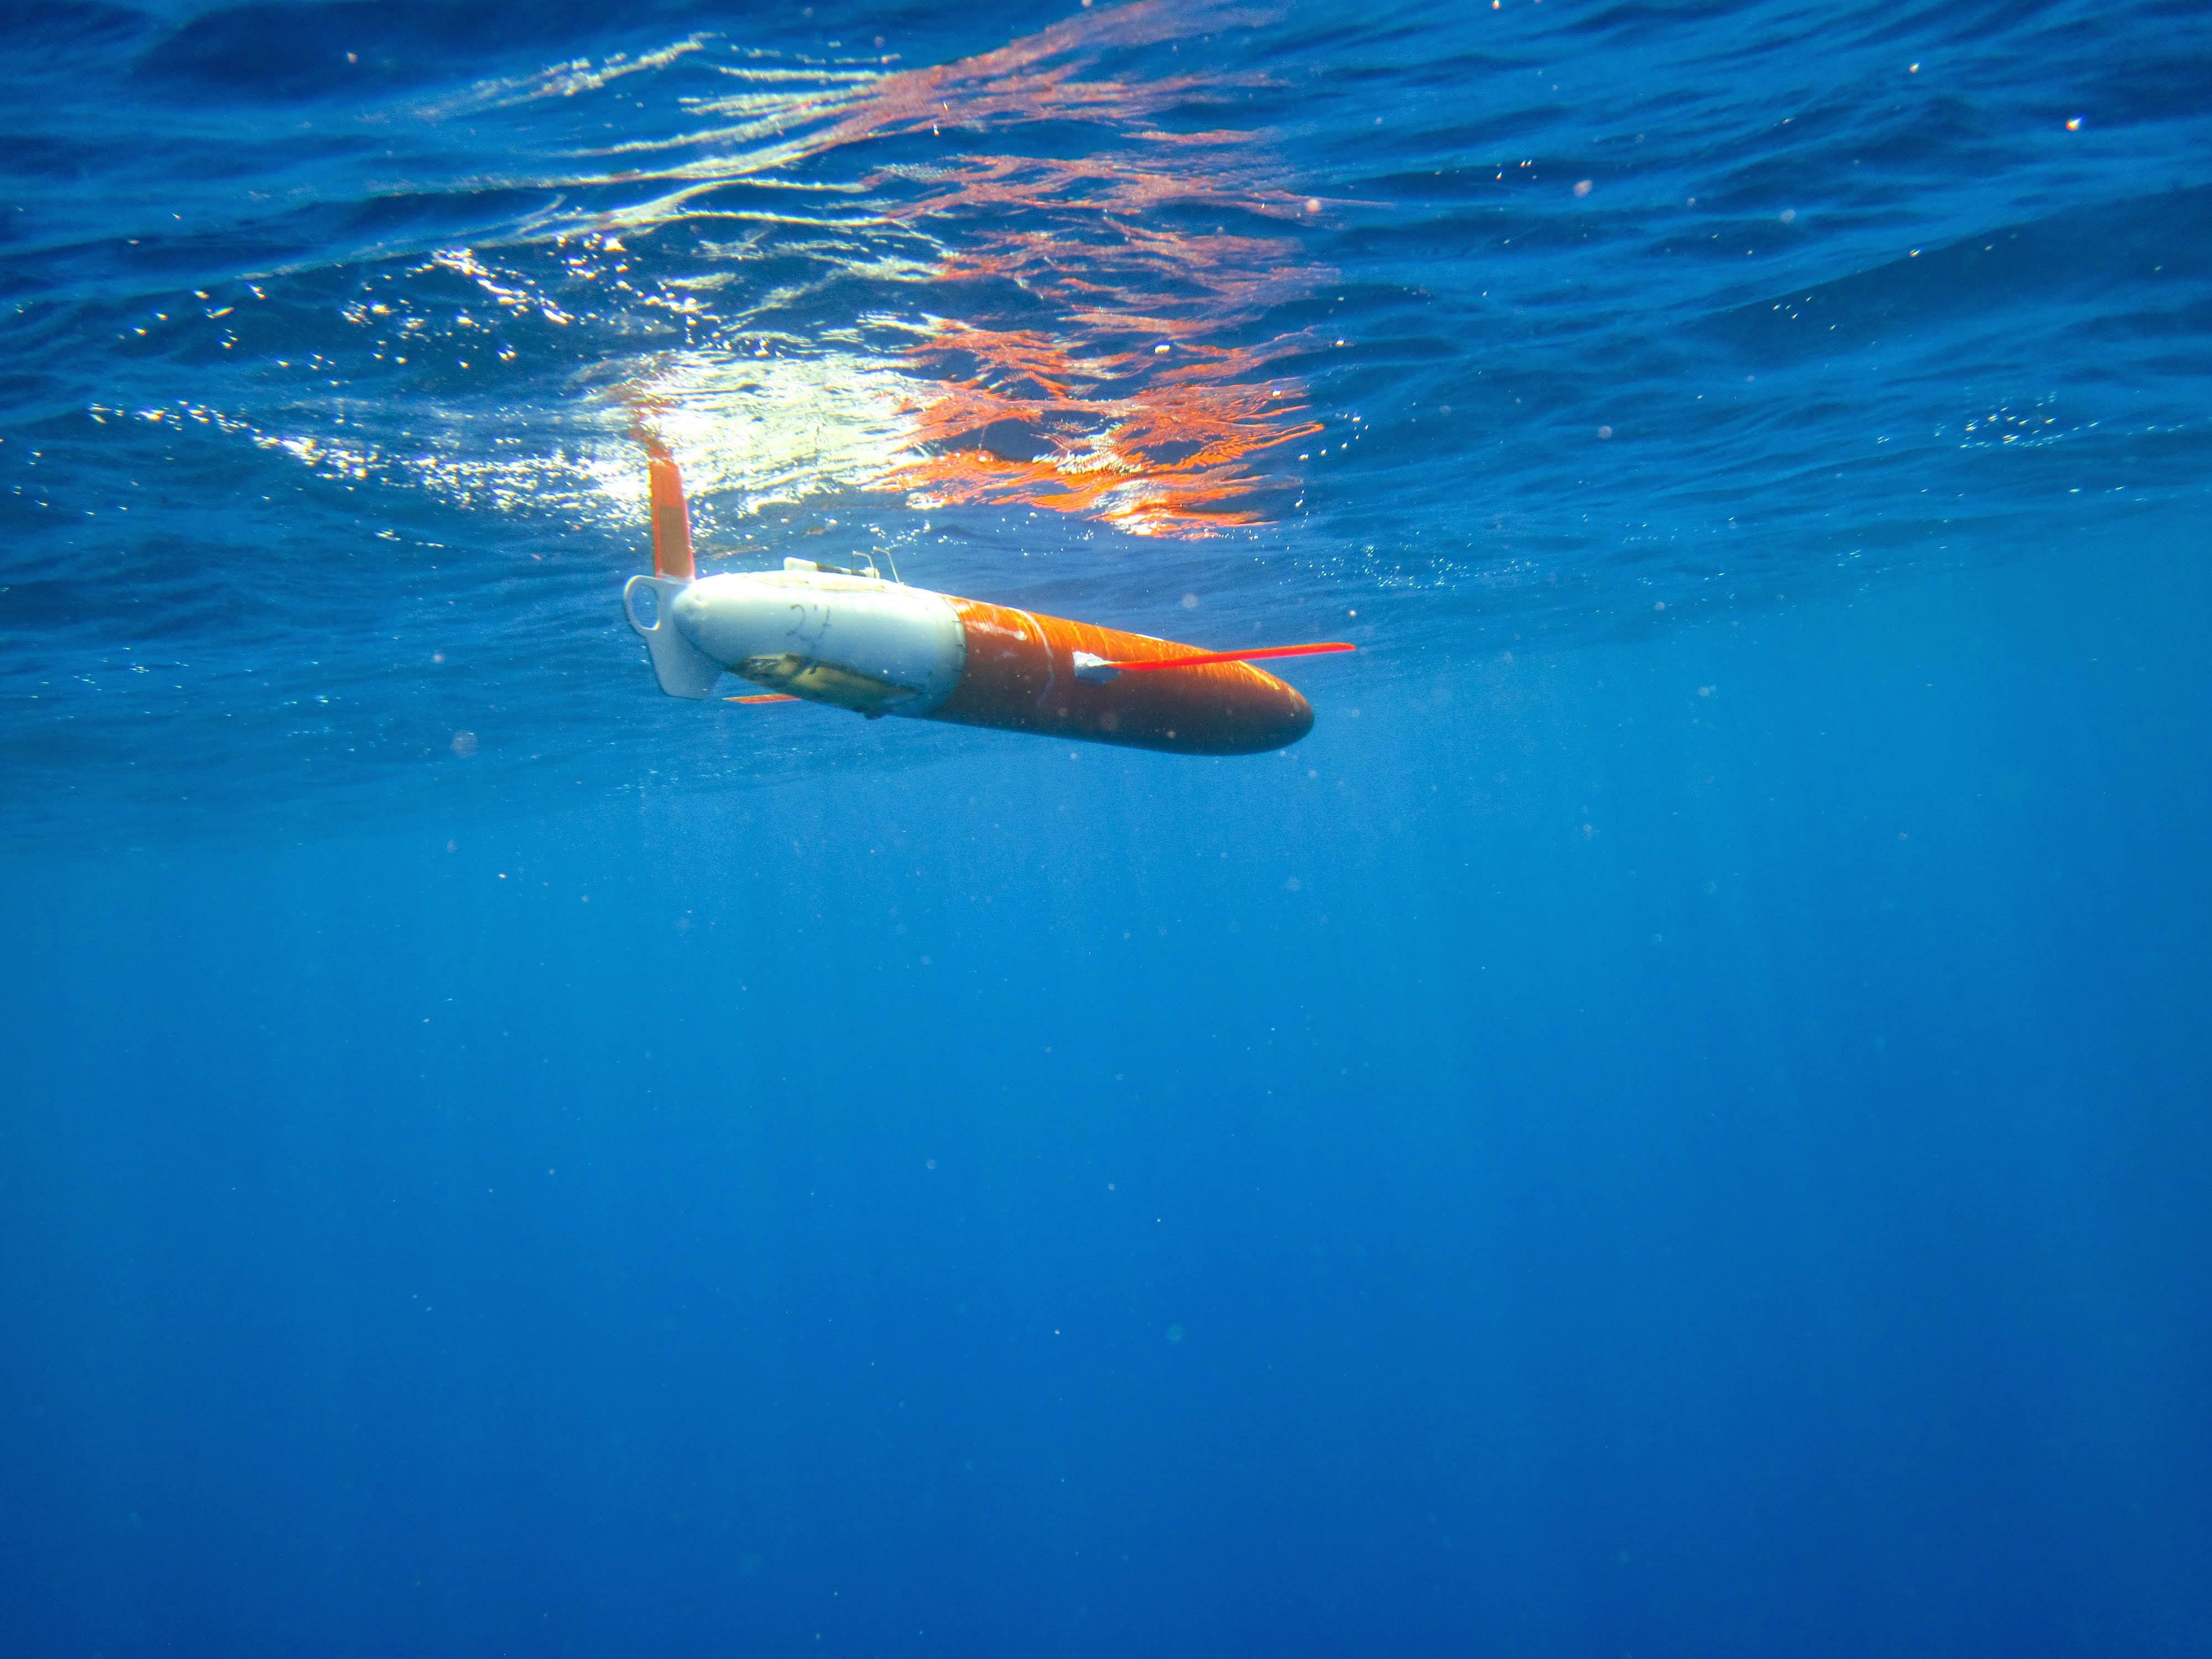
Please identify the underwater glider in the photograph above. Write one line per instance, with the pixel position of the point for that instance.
(819, 633)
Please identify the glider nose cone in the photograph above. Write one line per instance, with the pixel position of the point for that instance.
(1271, 721)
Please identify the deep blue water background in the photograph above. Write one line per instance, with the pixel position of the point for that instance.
(1673, 1124)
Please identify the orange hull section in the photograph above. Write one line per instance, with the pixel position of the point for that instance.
(1020, 677)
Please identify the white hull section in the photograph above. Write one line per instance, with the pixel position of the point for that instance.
(876, 647)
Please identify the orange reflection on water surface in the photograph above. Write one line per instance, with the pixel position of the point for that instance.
(1109, 354)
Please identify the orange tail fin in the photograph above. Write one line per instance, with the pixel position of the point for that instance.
(671, 514)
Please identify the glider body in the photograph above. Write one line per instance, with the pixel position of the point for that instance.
(881, 647)
(817, 633)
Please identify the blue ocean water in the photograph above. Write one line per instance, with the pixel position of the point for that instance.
(1674, 1123)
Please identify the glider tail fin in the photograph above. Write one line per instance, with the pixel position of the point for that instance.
(649, 602)
(671, 514)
